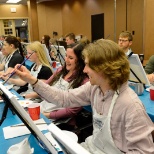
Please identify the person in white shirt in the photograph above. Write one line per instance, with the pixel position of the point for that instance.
(2, 57)
(125, 41)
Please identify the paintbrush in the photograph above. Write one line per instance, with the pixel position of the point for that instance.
(11, 74)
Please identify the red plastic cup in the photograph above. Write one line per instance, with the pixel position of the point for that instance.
(34, 111)
(54, 64)
(152, 93)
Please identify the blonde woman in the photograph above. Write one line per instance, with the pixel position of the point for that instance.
(40, 69)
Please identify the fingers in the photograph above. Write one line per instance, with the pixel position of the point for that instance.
(151, 77)
(20, 72)
(20, 67)
(46, 114)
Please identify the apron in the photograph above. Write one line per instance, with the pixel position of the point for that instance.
(35, 74)
(7, 60)
(101, 142)
(60, 84)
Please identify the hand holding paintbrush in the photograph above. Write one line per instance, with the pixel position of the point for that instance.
(18, 66)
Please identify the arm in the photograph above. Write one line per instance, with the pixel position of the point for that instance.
(34, 94)
(43, 75)
(73, 98)
(63, 113)
(16, 81)
(138, 131)
(150, 77)
(2, 67)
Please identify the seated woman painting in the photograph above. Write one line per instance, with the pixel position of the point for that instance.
(40, 69)
(69, 76)
(13, 53)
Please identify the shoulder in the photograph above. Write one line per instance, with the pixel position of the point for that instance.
(46, 71)
(16, 57)
(90, 88)
(129, 101)
(151, 58)
(45, 68)
(17, 54)
(86, 79)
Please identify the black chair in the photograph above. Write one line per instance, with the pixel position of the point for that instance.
(84, 125)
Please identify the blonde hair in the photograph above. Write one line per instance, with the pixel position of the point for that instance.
(107, 57)
(38, 48)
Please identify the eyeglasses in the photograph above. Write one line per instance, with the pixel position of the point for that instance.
(29, 53)
(120, 40)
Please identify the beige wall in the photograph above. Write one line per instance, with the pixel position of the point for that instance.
(33, 20)
(21, 11)
(75, 16)
(5, 13)
(49, 18)
(149, 28)
(130, 17)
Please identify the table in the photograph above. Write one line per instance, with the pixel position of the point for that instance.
(12, 120)
(148, 103)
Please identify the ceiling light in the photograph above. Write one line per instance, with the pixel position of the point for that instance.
(13, 1)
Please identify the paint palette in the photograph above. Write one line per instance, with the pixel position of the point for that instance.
(25, 103)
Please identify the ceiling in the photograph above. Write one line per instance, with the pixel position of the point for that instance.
(22, 1)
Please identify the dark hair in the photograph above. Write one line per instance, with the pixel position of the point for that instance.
(79, 75)
(47, 41)
(55, 33)
(13, 40)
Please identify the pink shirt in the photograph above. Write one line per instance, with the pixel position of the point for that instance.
(131, 127)
(65, 112)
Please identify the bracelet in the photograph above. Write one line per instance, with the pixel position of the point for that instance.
(34, 82)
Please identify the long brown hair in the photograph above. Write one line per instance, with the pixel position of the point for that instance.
(77, 78)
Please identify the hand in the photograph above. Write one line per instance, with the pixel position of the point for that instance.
(25, 74)
(150, 77)
(47, 114)
(4, 77)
